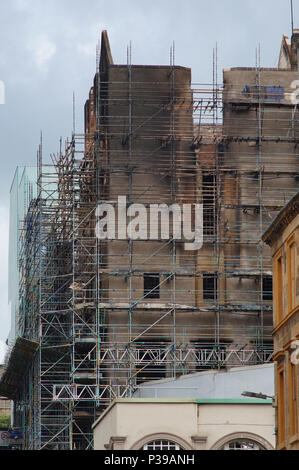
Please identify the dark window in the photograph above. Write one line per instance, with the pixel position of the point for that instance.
(267, 288)
(151, 360)
(268, 345)
(211, 355)
(152, 286)
(264, 350)
(161, 446)
(209, 203)
(210, 285)
(243, 444)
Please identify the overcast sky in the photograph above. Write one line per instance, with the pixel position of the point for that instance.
(48, 51)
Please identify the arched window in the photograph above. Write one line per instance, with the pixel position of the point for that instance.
(242, 441)
(161, 445)
(162, 442)
(242, 444)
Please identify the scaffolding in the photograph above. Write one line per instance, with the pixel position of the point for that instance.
(109, 315)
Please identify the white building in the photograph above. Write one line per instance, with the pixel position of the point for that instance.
(208, 419)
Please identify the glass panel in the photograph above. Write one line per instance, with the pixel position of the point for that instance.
(161, 445)
(242, 445)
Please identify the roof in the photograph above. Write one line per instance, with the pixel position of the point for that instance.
(284, 218)
(253, 69)
(212, 385)
(18, 363)
(169, 401)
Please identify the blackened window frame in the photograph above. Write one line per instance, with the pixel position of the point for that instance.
(151, 285)
(210, 287)
(267, 282)
(209, 182)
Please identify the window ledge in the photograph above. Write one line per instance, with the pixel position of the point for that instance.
(294, 438)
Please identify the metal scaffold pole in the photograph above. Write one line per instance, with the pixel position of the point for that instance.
(110, 314)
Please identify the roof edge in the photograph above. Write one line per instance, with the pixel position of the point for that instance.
(283, 219)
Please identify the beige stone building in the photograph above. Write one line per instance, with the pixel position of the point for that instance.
(283, 237)
(5, 412)
(188, 413)
(5, 407)
(165, 424)
(5, 404)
